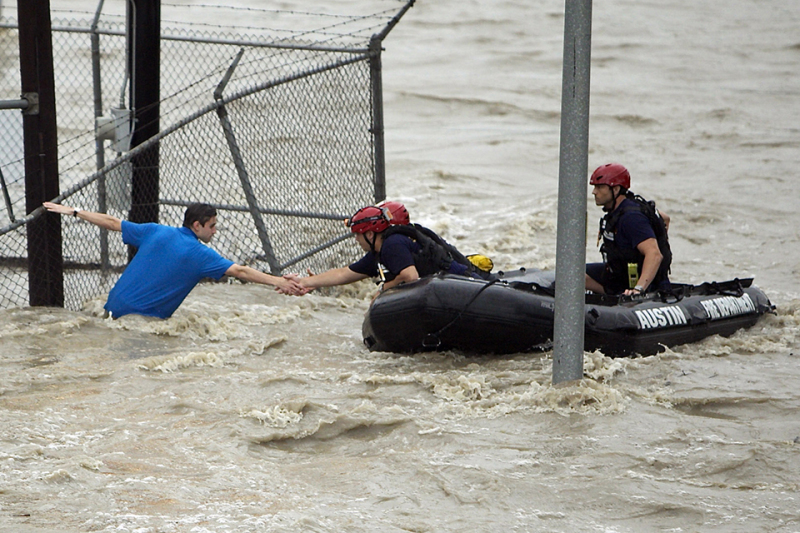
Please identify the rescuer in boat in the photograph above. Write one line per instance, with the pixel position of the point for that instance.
(396, 251)
(635, 246)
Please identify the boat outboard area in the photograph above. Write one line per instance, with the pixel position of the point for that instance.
(515, 313)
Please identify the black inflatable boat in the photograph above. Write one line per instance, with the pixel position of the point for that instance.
(515, 314)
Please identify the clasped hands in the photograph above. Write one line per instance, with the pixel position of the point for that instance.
(295, 286)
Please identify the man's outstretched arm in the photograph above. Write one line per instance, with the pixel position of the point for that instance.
(99, 219)
(283, 285)
(330, 278)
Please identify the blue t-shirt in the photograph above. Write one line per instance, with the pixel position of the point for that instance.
(167, 266)
(397, 254)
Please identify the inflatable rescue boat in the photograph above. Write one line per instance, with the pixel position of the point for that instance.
(515, 313)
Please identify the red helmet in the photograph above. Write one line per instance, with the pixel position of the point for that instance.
(611, 174)
(366, 219)
(395, 212)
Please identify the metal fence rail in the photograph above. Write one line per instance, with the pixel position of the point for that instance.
(283, 137)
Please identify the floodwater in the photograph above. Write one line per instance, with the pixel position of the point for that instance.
(250, 411)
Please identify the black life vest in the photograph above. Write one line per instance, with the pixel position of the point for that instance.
(435, 254)
(617, 259)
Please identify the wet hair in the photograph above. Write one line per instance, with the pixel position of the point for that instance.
(198, 212)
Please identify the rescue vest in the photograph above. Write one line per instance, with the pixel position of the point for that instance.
(617, 259)
(435, 254)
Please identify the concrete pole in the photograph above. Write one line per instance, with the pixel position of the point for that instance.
(573, 162)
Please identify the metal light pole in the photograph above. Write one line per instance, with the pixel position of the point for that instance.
(573, 161)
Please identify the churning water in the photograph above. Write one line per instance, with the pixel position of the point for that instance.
(251, 411)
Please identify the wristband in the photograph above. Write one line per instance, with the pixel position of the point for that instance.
(639, 288)
(75, 212)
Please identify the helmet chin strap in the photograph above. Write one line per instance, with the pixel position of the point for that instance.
(614, 196)
(372, 244)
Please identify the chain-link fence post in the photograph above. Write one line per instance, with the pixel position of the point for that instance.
(238, 161)
(376, 79)
(97, 90)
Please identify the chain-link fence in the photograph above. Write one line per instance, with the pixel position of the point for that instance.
(285, 151)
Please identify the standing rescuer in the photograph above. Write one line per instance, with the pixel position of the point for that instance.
(635, 247)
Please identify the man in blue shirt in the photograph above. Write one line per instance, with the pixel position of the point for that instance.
(169, 261)
(635, 247)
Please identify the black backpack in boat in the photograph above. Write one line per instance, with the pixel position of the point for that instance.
(435, 254)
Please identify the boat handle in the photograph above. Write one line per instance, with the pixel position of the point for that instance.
(431, 341)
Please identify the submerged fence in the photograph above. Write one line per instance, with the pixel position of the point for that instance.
(282, 135)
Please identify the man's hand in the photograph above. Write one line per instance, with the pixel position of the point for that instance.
(633, 292)
(290, 284)
(330, 278)
(58, 208)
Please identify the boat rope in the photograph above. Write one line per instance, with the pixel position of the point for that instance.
(726, 288)
(664, 296)
(432, 340)
(532, 286)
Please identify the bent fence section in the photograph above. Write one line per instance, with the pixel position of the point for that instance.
(282, 135)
